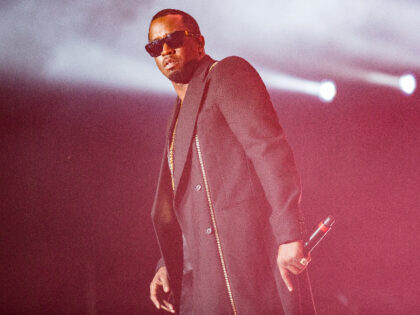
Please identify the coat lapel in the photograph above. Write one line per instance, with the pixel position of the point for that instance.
(171, 123)
(188, 117)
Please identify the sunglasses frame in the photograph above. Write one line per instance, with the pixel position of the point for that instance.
(151, 46)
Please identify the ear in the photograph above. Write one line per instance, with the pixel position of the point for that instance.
(201, 43)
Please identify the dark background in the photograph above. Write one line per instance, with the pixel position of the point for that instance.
(79, 165)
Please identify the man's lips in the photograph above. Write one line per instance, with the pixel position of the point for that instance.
(170, 63)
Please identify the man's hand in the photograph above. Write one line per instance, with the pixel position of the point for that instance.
(290, 259)
(160, 290)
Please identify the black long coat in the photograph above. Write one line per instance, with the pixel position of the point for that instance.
(236, 194)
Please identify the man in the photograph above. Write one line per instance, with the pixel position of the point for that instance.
(227, 186)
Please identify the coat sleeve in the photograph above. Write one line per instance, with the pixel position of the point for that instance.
(167, 230)
(160, 264)
(245, 104)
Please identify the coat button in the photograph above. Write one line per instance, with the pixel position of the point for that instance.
(197, 187)
(209, 231)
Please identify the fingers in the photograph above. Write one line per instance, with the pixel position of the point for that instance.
(286, 278)
(290, 259)
(168, 307)
(305, 261)
(165, 305)
(153, 294)
(296, 266)
(160, 302)
(160, 291)
(165, 283)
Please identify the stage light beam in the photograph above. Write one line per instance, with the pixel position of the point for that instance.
(324, 90)
(86, 61)
(405, 83)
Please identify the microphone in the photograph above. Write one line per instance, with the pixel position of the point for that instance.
(318, 235)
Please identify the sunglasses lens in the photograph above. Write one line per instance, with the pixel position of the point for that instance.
(154, 48)
(174, 40)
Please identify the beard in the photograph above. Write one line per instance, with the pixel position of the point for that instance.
(185, 74)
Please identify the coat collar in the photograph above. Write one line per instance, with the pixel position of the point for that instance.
(187, 117)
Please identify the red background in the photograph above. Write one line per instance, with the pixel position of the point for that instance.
(79, 165)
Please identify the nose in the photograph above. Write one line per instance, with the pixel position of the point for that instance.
(167, 50)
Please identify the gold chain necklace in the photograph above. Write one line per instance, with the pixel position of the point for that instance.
(171, 149)
(172, 145)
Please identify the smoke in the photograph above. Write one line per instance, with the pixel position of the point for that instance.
(101, 40)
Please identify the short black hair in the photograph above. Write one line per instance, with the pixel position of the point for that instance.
(187, 19)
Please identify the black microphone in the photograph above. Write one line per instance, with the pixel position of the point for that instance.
(318, 235)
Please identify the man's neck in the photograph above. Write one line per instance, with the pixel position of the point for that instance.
(180, 89)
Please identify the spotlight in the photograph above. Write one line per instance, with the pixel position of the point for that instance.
(407, 83)
(327, 91)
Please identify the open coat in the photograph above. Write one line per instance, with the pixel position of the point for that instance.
(236, 195)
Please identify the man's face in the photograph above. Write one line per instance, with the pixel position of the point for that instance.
(177, 64)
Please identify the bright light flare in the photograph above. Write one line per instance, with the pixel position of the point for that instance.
(327, 91)
(324, 90)
(407, 83)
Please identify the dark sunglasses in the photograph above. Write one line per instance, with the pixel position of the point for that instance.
(173, 40)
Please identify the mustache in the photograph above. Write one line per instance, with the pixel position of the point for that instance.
(169, 59)
(185, 74)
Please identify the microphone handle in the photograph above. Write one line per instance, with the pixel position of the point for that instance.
(316, 237)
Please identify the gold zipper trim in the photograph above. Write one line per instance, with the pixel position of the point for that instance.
(216, 232)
